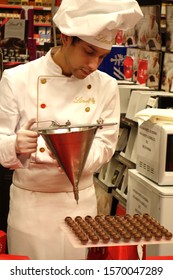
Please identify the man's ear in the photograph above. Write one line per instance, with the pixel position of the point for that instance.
(65, 39)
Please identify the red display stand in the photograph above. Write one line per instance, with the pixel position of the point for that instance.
(3, 238)
(12, 257)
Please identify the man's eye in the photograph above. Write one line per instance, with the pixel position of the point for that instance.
(89, 52)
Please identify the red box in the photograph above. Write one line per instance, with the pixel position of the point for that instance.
(12, 257)
(3, 238)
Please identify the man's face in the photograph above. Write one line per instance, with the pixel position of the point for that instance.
(81, 58)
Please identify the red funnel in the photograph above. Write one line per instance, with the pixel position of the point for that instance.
(70, 146)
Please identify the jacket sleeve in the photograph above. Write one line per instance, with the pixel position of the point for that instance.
(105, 141)
(9, 117)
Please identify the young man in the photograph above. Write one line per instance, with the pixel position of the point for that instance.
(63, 85)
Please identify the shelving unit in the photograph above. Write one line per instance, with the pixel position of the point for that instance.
(39, 35)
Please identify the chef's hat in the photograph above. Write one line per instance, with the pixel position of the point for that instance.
(97, 21)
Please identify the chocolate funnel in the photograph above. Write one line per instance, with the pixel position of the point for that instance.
(70, 147)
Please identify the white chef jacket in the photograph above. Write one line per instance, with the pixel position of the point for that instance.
(38, 89)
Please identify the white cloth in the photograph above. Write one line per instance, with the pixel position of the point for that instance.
(36, 219)
(98, 23)
(66, 98)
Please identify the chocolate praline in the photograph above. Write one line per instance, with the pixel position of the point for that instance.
(168, 235)
(84, 240)
(158, 235)
(126, 237)
(148, 236)
(137, 237)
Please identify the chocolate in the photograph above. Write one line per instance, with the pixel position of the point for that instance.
(168, 235)
(116, 228)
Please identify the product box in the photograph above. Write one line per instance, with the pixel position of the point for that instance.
(111, 173)
(3, 238)
(113, 64)
(148, 28)
(167, 73)
(169, 28)
(149, 68)
(133, 54)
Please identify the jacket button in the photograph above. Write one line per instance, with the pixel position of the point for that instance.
(89, 86)
(87, 109)
(43, 81)
(43, 105)
(42, 149)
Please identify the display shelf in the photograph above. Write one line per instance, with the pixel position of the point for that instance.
(122, 200)
(106, 188)
(121, 158)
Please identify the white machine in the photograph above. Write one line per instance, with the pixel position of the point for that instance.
(155, 151)
(144, 196)
(125, 93)
(140, 99)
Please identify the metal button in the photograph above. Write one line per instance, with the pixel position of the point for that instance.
(89, 86)
(42, 149)
(43, 81)
(43, 105)
(87, 109)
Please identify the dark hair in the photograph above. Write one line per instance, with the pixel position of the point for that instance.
(75, 40)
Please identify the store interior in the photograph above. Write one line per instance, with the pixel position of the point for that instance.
(139, 177)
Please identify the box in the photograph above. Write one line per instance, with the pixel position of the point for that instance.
(3, 239)
(145, 196)
(155, 151)
(113, 63)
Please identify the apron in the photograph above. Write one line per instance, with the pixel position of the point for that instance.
(42, 214)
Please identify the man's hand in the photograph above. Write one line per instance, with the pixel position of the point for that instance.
(26, 140)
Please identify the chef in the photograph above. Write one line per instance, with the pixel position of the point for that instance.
(62, 86)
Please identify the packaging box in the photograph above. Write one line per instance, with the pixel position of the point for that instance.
(111, 174)
(167, 73)
(3, 238)
(113, 64)
(148, 28)
(133, 53)
(169, 28)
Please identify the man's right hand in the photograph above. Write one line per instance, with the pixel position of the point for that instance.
(26, 139)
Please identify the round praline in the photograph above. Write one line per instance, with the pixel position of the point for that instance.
(168, 235)
(94, 239)
(126, 237)
(148, 236)
(158, 235)
(84, 240)
(115, 238)
(137, 236)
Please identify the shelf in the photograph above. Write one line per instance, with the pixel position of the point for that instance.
(128, 122)
(41, 8)
(124, 160)
(119, 197)
(106, 188)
